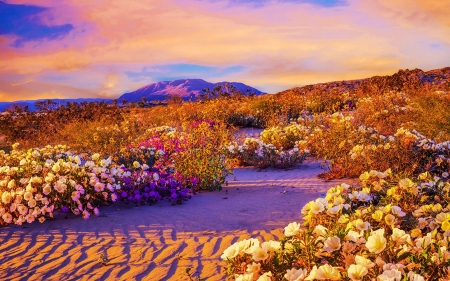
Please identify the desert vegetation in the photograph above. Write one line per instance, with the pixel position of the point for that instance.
(392, 133)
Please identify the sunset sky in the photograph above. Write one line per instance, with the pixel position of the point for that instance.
(104, 48)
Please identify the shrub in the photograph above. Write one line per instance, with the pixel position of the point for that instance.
(387, 228)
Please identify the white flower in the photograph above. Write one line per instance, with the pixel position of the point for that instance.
(320, 230)
(356, 272)
(271, 245)
(390, 275)
(245, 277)
(399, 236)
(259, 254)
(265, 277)
(332, 244)
(254, 267)
(360, 260)
(415, 277)
(376, 242)
(292, 229)
(326, 271)
(230, 252)
(295, 274)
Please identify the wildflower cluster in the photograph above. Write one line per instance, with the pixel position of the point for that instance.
(385, 228)
(256, 153)
(284, 137)
(36, 183)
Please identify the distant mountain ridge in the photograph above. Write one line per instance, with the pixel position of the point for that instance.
(31, 103)
(438, 79)
(187, 89)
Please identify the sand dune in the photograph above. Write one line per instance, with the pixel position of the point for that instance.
(159, 242)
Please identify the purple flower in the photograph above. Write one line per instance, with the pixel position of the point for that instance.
(124, 194)
(64, 209)
(137, 197)
(174, 196)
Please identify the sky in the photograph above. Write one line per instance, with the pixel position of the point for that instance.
(104, 48)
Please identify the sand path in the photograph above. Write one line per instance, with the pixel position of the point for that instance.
(159, 242)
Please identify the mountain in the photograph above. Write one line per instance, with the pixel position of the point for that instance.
(32, 107)
(437, 79)
(187, 89)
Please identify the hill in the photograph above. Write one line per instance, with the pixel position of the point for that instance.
(187, 89)
(403, 80)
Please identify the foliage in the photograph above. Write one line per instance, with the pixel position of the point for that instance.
(385, 228)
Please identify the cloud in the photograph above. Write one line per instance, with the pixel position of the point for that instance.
(276, 46)
(24, 23)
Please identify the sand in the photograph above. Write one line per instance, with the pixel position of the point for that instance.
(159, 242)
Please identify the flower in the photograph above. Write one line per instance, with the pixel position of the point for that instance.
(230, 252)
(360, 260)
(245, 277)
(399, 236)
(320, 230)
(271, 245)
(259, 254)
(356, 272)
(292, 229)
(86, 214)
(7, 217)
(376, 242)
(326, 271)
(295, 274)
(415, 277)
(332, 244)
(265, 277)
(254, 267)
(390, 275)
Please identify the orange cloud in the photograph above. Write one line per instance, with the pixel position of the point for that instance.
(280, 45)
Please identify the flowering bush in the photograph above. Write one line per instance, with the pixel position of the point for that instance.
(256, 153)
(38, 182)
(284, 137)
(385, 228)
(197, 154)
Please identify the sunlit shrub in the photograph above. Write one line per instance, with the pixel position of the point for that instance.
(256, 153)
(385, 228)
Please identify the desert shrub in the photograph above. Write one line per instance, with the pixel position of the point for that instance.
(256, 153)
(284, 137)
(35, 183)
(430, 114)
(385, 112)
(197, 153)
(385, 228)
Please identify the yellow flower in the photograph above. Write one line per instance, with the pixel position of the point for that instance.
(390, 220)
(364, 177)
(356, 272)
(377, 215)
(326, 271)
(416, 233)
(406, 183)
(376, 243)
(399, 236)
(445, 225)
(360, 260)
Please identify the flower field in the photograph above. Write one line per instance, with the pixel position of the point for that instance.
(393, 225)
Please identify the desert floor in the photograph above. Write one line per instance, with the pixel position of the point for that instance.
(159, 242)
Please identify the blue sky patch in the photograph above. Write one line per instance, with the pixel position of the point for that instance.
(23, 22)
(260, 3)
(181, 71)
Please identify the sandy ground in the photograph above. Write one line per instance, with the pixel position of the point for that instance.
(159, 242)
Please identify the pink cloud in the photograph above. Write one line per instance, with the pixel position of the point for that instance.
(280, 44)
